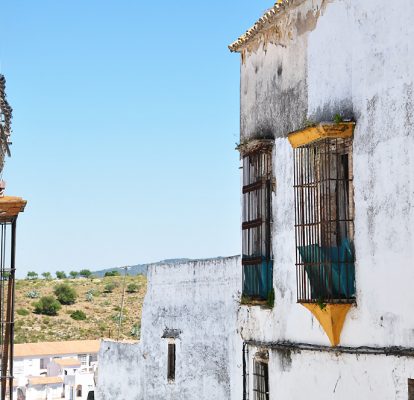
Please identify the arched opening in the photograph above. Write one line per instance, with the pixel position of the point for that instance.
(79, 391)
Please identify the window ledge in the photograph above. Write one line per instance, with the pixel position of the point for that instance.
(323, 130)
(255, 303)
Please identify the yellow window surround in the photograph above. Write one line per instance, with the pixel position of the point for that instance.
(323, 130)
(331, 317)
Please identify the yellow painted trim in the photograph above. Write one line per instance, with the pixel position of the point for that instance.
(331, 318)
(321, 131)
(11, 206)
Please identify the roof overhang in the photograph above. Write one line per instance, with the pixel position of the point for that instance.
(262, 23)
(10, 207)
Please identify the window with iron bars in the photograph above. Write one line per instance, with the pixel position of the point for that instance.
(256, 226)
(260, 380)
(324, 221)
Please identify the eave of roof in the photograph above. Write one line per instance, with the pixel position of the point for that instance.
(67, 362)
(262, 22)
(45, 380)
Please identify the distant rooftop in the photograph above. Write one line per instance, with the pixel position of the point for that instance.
(44, 380)
(56, 348)
(68, 362)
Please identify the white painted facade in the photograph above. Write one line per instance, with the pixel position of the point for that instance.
(193, 305)
(353, 58)
(44, 392)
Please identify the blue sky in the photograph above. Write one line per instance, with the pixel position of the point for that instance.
(126, 115)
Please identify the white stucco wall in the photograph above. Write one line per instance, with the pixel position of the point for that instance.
(383, 170)
(297, 375)
(355, 61)
(198, 299)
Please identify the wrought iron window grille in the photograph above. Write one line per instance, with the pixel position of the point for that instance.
(258, 183)
(260, 380)
(324, 221)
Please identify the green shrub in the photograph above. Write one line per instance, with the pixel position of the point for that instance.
(136, 331)
(132, 287)
(65, 293)
(112, 273)
(89, 296)
(47, 305)
(78, 315)
(73, 274)
(109, 287)
(338, 118)
(23, 312)
(85, 273)
(32, 275)
(118, 317)
(33, 294)
(47, 276)
(60, 275)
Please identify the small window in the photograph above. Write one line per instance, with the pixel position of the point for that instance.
(79, 391)
(83, 358)
(260, 380)
(171, 362)
(324, 221)
(257, 216)
(410, 389)
(43, 363)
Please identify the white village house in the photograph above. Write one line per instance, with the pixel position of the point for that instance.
(327, 150)
(319, 306)
(55, 370)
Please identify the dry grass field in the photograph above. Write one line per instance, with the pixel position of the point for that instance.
(101, 307)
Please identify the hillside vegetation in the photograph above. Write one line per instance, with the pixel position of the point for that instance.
(94, 314)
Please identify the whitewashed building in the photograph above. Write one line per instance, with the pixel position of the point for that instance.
(55, 370)
(189, 346)
(327, 150)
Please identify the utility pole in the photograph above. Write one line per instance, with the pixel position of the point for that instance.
(122, 302)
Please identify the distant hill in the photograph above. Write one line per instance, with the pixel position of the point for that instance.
(101, 304)
(140, 269)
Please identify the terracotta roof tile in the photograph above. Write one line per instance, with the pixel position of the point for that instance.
(67, 362)
(263, 21)
(56, 348)
(45, 380)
